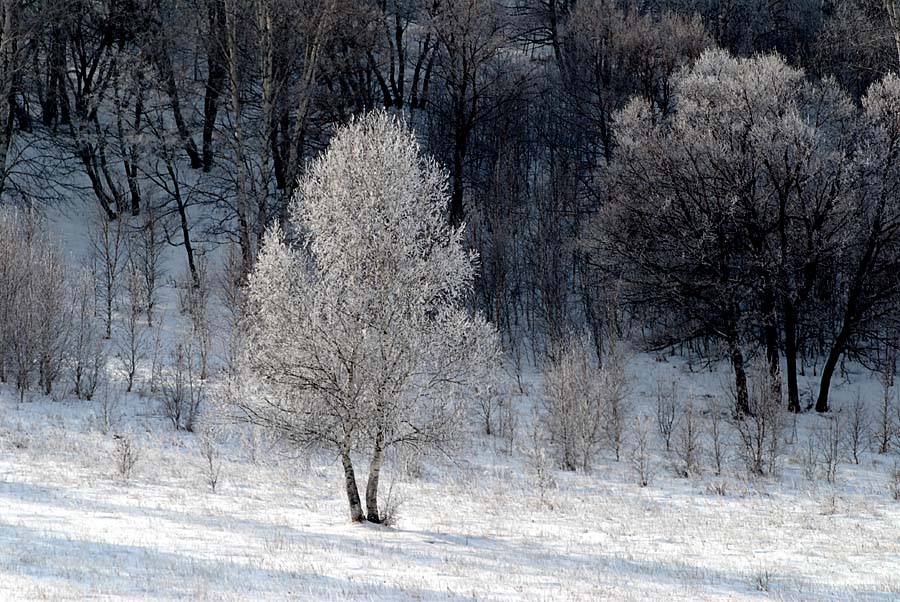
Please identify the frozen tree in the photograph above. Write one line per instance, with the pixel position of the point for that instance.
(87, 352)
(574, 409)
(194, 298)
(359, 336)
(760, 434)
(640, 454)
(131, 337)
(107, 248)
(584, 403)
(51, 308)
(687, 440)
(145, 250)
(666, 410)
(884, 428)
(725, 213)
(34, 306)
(183, 388)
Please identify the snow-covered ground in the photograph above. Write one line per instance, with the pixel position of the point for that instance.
(489, 524)
(480, 527)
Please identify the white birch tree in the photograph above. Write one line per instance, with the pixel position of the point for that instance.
(359, 338)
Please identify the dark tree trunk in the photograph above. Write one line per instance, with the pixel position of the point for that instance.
(56, 77)
(185, 225)
(741, 396)
(457, 213)
(790, 355)
(215, 80)
(461, 140)
(834, 356)
(168, 75)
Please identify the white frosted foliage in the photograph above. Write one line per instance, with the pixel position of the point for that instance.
(360, 336)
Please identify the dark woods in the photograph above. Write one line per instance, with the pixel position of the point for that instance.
(716, 176)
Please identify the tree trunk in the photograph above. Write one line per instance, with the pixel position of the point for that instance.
(461, 141)
(167, 72)
(741, 397)
(241, 184)
(834, 356)
(356, 513)
(770, 334)
(790, 355)
(185, 224)
(372, 485)
(215, 80)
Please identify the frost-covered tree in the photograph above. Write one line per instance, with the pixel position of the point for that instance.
(584, 403)
(359, 337)
(35, 314)
(727, 213)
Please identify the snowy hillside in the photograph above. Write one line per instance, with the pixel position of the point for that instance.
(451, 300)
(489, 526)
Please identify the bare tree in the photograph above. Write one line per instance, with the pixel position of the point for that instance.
(34, 303)
(132, 335)
(716, 416)
(687, 440)
(107, 249)
(87, 349)
(760, 430)
(831, 447)
(194, 298)
(574, 406)
(126, 455)
(641, 454)
(885, 427)
(892, 7)
(52, 309)
(614, 385)
(145, 252)
(667, 408)
(471, 35)
(183, 390)
(212, 460)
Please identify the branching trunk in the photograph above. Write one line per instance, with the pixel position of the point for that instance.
(167, 73)
(307, 87)
(215, 80)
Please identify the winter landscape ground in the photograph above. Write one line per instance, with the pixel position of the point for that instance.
(498, 522)
(450, 300)
(490, 526)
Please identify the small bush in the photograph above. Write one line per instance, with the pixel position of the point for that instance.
(107, 415)
(760, 431)
(640, 455)
(127, 455)
(212, 462)
(666, 409)
(687, 441)
(184, 389)
(894, 481)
